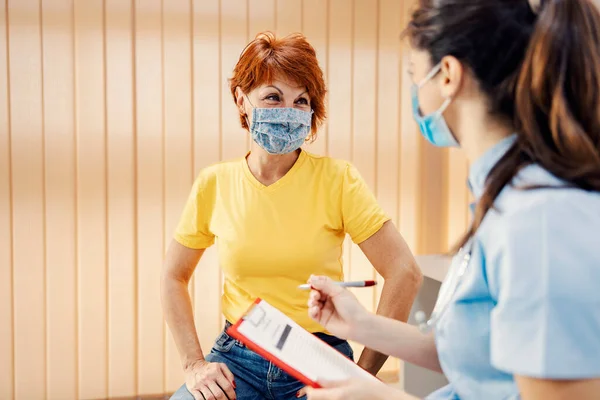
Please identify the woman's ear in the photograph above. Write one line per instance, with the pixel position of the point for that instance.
(240, 100)
(452, 76)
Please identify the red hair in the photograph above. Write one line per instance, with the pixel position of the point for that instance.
(291, 56)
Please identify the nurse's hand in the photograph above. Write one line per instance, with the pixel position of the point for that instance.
(335, 308)
(355, 390)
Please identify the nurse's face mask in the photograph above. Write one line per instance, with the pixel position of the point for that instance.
(432, 126)
(279, 130)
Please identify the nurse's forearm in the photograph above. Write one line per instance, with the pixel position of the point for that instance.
(397, 297)
(398, 339)
(177, 307)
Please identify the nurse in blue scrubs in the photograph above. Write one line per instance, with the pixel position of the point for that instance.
(515, 84)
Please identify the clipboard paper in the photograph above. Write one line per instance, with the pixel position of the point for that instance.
(277, 338)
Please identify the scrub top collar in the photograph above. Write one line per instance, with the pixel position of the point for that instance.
(481, 168)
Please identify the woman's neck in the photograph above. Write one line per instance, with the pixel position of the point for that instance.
(270, 167)
(477, 137)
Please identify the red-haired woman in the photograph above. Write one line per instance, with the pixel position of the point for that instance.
(278, 214)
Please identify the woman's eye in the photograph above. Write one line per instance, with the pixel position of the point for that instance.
(302, 101)
(272, 97)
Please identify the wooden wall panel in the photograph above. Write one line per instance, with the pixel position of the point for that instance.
(261, 17)
(207, 142)
(364, 121)
(109, 109)
(150, 194)
(177, 61)
(121, 190)
(387, 121)
(289, 17)
(233, 38)
(60, 175)
(92, 250)
(387, 109)
(6, 264)
(315, 14)
(433, 235)
(410, 148)
(339, 137)
(27, 146)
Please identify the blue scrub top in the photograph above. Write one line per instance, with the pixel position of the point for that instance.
(528, 302)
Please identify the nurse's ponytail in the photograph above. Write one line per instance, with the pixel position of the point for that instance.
(558, 93)
(539, 63)
(557, 103)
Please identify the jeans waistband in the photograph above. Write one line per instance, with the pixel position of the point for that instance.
(333, 341)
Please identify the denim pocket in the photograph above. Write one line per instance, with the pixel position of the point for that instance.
(346, 350)
(224, 343)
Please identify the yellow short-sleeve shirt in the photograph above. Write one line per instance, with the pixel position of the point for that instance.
(270, 239)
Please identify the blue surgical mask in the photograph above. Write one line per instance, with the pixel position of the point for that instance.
(280, 130)
(433, 126)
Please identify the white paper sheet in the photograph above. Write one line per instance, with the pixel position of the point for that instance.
(276, 333)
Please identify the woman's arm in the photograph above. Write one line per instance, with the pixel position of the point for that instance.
(546, 389)
(179, 266)
(390, 256)
(204, 380)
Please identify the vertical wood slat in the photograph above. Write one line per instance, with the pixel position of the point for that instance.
(121, 199)
(261, 17)
(178, 149)
(289, 17)
(339, 141)
(150, 190)
(207, 125)
(233, 33)
(314, 27)
(60, 163)
(409, 152)
(388, 108)
(91, 199)
(364, 129)
(340, 87)
(433, 191)
(6, 212)
(27, 141)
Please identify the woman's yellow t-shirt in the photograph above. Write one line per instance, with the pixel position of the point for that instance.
(270, 239)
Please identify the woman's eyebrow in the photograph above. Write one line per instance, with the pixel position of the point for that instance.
(276, 88)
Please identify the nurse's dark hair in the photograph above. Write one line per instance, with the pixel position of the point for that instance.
(539, 68)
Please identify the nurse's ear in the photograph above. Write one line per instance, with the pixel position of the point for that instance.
(452, 76)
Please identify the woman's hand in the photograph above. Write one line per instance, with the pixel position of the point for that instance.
(355, 390)
(210, 381)
(335, 308)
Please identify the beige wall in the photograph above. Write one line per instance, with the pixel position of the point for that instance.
(107, 111)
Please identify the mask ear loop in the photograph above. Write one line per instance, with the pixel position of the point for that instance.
(246, 114)
(444, 106)
(429, 77)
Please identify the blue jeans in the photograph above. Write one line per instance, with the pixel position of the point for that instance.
(255, 377)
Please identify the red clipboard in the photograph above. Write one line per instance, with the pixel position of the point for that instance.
(234, 331)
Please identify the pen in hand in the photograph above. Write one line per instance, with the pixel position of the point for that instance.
(354, 284)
